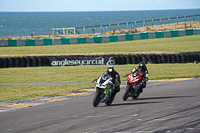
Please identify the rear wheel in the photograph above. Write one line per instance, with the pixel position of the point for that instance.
(96, 99)
(126, 92)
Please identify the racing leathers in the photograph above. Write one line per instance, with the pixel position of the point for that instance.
(116, 83)
(144, 71)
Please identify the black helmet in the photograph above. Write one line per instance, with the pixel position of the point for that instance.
(142, 65)
(110, 70)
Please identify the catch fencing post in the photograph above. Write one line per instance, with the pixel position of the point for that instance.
(185, 22)
(177, 20)
(74, 30)
(118, 26)
(161, 22)
(135, 24)
(169, 21)
(143, 23)
(63, 31)
(93, 29)
(84, 29)
(127, 25)
(152, 22)
(185, 19)
(109, 27)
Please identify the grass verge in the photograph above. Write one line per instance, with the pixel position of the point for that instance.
(159, 45)
(77, 74)
(17, 92)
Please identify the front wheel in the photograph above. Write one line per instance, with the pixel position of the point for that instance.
(96, 99)
(126, 92)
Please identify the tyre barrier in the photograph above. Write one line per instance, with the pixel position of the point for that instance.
(34, 61)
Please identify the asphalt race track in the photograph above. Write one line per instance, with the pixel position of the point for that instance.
(163, 107)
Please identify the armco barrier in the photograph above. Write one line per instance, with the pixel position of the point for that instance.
(34, 61)
(81, 39)
(151, 35)
(57, 41)
(121, 37)
(98, 39)
(105, 39)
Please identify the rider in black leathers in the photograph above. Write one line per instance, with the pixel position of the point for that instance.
(115, 80)
(142, 69)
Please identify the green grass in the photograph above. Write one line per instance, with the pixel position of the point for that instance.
(88, 73)
(165, 45)
(77, 73)
(16, 92)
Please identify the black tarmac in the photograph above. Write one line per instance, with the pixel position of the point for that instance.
(163, 107)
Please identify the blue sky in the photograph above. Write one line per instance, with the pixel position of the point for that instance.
(95, 5)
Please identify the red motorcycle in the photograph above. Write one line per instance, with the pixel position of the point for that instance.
(133, 86)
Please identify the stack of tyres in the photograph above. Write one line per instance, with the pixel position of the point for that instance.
(187, 58)
(134, 59)
(1, 63)
(154, 58)
(144, 58)
(178, 58)
(183, 58)
(163, 58)
(198, 56)
(44, 61)
(168, 58)
(150, 58)
(128, 59)
(10, 62)
(48, 59)
(38, 61)
(21, 62)
(139, 58)
(26, 61)
(121, 60)
(32, 61)
(5, 62)
(195, 57)
(159, 59)
(16, 62)
(173, 58)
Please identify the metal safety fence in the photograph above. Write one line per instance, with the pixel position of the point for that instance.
(126, 26)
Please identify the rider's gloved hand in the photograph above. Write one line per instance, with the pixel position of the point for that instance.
(143, 81)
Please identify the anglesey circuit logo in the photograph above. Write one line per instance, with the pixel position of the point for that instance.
(111, 61)
(83, 61)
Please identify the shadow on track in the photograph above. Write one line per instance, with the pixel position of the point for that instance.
(125, 103)
(151, 98)
(138, 101)
(120, 104)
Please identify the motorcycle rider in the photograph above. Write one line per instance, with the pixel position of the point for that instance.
(115, 80)
(142, 69)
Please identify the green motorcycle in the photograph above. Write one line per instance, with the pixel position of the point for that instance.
(103, 90)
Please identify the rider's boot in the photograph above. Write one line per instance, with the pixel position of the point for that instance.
(141, 89)
(113, 96)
